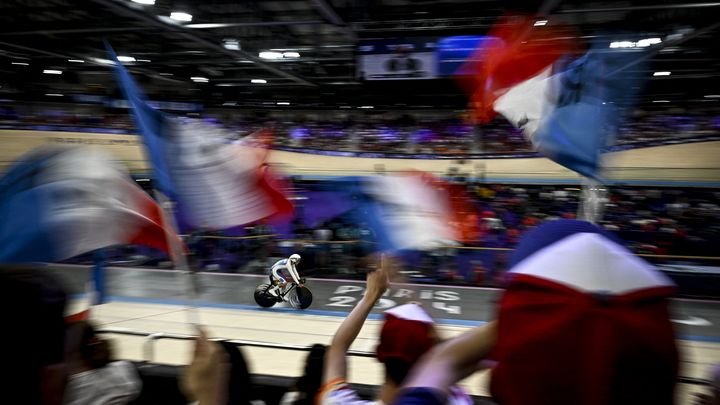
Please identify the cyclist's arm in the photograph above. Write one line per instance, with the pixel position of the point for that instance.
(291, 269)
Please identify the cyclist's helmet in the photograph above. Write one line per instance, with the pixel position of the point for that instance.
(295, 258)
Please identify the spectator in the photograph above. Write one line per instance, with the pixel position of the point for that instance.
(407, 333)
(240, 388)
(218, 375)
(583, 321)
(32, 344)
(205, 379)
(97, 379)
(307, 386)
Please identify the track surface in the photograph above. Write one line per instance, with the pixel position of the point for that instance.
(450, 305)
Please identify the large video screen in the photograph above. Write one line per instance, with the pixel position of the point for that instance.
(453, 52)
(397, 59)
(418, 58)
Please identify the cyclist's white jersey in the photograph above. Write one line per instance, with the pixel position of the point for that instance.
(285, 264)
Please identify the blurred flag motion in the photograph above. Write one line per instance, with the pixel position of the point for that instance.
(414, 210)
(215, 184)
(59, 202)
(568, 107)
(588, 316)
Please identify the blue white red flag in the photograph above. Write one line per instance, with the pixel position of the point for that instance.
(410, 211)
(215, 184)
(569, 108)
(57, 203)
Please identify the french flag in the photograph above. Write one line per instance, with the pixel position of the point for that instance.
(59, 202)
(215, 184)
(568, 107)
(583, 321)
(413, 210)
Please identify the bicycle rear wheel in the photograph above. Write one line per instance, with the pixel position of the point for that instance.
(264, 298)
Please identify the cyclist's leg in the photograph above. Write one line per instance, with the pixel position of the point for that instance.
(278, 282)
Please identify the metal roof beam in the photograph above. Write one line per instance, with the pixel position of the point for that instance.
(124, 9)
(79, 31)
(327, 12)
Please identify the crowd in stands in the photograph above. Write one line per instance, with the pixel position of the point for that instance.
(652, 221)
(379, 133)
(66, 117)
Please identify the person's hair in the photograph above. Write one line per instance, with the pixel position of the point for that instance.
(240, 387)
(94, 351)
(396, 370)
(33, 340)
(309, 384)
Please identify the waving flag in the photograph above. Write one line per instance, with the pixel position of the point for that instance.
(569, 109)
(515, 52)
(215, 184)
(410, 211)
(56, 203)
(583, 321)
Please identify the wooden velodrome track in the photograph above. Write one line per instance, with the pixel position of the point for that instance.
(690, 164)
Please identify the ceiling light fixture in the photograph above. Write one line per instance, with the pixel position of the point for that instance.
(145, 2)
(20, 63)
(665, 73)
(647, 42)
(53, 94)
(713, 96)
(200, 79)
(661, 101)
(52, 72)
(143, 60)
(282, 103)
(540, 23)
(643, 43)
(231, 44)
(270, 55)
(126, 58)
(291, 54)
(366, 107)
(76, 60)
(258, 81)
(181, 16)
(102, 61)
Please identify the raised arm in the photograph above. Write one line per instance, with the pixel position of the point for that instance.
(293, 272)
(335, 361)
(453, 360)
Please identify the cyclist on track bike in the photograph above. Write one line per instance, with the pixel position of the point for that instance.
(278, 278)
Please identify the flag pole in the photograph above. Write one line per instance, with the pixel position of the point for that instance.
(179, 259)
(592, 199)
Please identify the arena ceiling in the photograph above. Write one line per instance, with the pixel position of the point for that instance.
(224, 39)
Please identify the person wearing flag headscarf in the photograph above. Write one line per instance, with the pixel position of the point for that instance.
(407, 333)
(582, 321)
